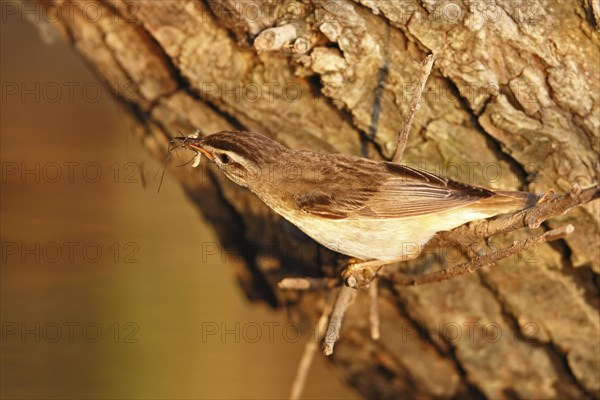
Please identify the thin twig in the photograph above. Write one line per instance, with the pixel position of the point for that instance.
(480, 262)
(309, 353)
(345, 297)
(374, 310)
(307, 283)
(415, 104)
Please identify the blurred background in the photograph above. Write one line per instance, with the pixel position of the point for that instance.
(103, 294)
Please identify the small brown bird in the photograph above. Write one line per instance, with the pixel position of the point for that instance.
(372, 210)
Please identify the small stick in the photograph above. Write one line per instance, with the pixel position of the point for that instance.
(374, 310)
(307, 283)
(345, 297)
(480, 262)
(415, 104)
(309, 353)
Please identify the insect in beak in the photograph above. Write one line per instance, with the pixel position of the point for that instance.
(192, 142)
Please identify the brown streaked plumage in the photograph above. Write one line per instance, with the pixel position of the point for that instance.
(359, 207)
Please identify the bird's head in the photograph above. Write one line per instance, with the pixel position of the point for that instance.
(244, 157)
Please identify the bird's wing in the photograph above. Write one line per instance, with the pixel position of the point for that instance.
(392, 191)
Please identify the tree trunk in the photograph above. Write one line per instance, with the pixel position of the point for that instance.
(513, 103)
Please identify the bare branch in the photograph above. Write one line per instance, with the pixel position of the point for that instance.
(307, 283)
(309, 352)
(374, 310)
(415, 104)
(479, 262)
(345, 297)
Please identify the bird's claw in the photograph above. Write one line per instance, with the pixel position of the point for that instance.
(358, 276)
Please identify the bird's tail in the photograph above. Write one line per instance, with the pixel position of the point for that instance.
(517, 200)
(506, 201)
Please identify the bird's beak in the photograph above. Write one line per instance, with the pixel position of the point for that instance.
(201, 150)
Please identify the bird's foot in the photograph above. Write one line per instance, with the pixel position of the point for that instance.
(357, 275)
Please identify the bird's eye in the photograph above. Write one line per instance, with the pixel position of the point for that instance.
(224, 158)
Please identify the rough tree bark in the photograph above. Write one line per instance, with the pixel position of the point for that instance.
(513, 103)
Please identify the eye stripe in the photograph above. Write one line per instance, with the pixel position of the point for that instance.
(248, 151)
(247, 146)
